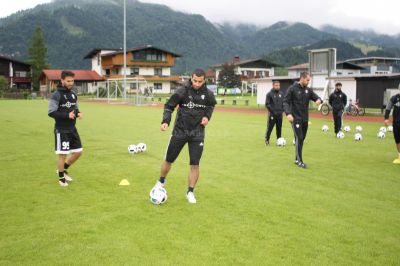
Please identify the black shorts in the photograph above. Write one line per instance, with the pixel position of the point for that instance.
(176, 144)
(67, 142)
(396, 133)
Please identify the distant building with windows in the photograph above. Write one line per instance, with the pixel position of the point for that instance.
(377, 65)
(17, 73)
(150, 63)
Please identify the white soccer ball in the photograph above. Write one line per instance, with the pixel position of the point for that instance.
(294, 142)
(158, 195)
(132, 149)
(359, 128)
(340, 135)
(142, 147)
(382, 129)
(347, 128)
(390, 129)
(381, 135)
(358, 137)
(281, 142)
(325, 128)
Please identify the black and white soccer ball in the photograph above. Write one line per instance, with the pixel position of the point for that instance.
(390, 129)
(142, 147)
(383, 129)
(347, 128)
(325, 128)
(359, 128)
(340, 135)
(281, 142)
(158, 195)
(381, 135)
(358, 137)
(132, 149)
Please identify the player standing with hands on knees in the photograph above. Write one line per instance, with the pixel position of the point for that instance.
(394, 103)
(196, 105)
(295, 105)
(63, 107)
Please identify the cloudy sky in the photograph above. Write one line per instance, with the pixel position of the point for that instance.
(353, 14)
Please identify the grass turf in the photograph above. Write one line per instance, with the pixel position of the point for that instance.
(255, 207)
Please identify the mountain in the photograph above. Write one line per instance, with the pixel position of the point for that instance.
(72, 28)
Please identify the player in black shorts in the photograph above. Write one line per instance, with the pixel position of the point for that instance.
(196, 105)
(63, 107)
(394, 103)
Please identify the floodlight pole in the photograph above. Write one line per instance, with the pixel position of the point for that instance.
(125, 49)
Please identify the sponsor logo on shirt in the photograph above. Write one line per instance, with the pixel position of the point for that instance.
(192, 105)
(68, 104)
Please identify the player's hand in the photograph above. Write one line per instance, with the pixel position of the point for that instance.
(71, 115)
(204, 121)
(290, 118)
(80, 115)
(387, 122)
(164, 126)
(318, 102)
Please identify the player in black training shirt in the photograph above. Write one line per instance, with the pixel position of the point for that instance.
(63, 107)
(196, 105)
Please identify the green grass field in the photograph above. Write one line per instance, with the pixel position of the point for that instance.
(255, 207)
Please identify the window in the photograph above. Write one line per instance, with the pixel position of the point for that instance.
(157, 86)
(158, 72)
(149, 55)
(21, 74)
(107, 72)
(134, 71)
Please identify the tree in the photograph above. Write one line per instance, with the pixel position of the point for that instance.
(3, 85)
(37, 56)
(227, 77)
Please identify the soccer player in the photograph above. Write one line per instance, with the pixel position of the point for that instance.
(196, 105)
(274, 104)
(295, 105)
(338, 101)
(394, 103)
(63, 107)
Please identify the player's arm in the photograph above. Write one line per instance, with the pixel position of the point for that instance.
(287, 104)
(388, 109)
(53, 107)
(344, 100)
(315, 97)
(268, 102)
(209, 109)
(76, 110)
(330, 99)
(170, 106)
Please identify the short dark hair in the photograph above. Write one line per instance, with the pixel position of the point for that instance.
(338, 84)
(67, 73)
(275, 81)
(304, 74)
(199, 72)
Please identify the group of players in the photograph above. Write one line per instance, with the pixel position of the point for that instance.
(196, 105)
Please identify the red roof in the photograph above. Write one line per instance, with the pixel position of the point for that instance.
(87, 75)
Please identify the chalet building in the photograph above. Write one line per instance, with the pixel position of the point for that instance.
(148, 63)
(343, 68)
(85, 80)
(377, 65)
(16, 72)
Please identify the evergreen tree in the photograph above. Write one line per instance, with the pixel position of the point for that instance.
(227, 77)
(37, 56)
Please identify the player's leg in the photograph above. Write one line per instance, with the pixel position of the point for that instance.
(270, 127)
(75, 152)
(336, 121)
(195, 152)
(278, 126)
(396, 134)
(174, 148)
(62, 150)
(297, 129)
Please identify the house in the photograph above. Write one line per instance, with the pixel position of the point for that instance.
(150, 64)
(85, 80)
(377, 65)
(16, 72)
(342, 68)
(248, 69)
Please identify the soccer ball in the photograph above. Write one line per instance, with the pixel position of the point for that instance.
(158, 195)
(357, 137)
(381, 135)
(340, 135)
(347, 128)
(132, 149)
(358, 128)
(281, 142)
(325, 128)
(382, 129)
(390, 129)
(142, 147)
(294, 142)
